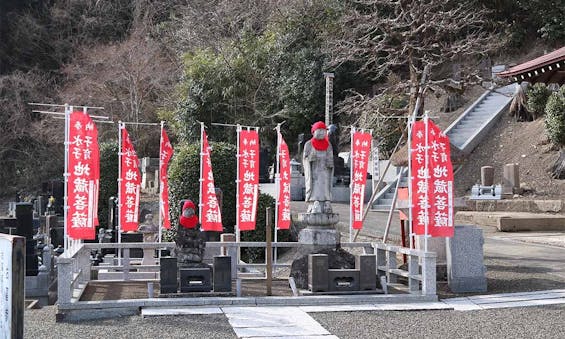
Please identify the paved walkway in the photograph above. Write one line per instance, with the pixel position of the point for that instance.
(295, 322)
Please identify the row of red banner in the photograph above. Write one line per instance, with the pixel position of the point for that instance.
(432, 185)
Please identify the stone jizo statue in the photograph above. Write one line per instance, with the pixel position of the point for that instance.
(190, 242)
(318, 165)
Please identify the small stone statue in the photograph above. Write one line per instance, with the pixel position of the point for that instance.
(149, 229)
(318, 165)
(190, 243)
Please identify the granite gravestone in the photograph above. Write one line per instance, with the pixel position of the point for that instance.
(222, 273)
(24, 216)
(465, 263)
(168, 275)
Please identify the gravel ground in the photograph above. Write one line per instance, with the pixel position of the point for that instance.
(41, 323)
(531, 322)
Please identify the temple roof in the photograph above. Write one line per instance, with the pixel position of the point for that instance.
(548, 68)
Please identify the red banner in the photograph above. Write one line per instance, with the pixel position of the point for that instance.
(248, 181)
(130, 182)
(211, 217)
(165, 154)
(284, 186)
(92, 132)
(82, 164)
(432, 181)
(360, 153)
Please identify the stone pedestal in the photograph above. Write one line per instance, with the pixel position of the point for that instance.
(318, 272)
(321, 237)
(148, 253)
(319, 229)
(466, 271)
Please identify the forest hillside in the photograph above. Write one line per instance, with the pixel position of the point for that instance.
(253, 62)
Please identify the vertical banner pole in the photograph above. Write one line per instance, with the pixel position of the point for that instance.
(201, 168)
(269, 250)
(376, 166)
(411, 122)
(409, 148)
(160, 186)
(277, 187)
(120, 127)
(237, 183)
(66, 178)
(351, 187)
(427, 167)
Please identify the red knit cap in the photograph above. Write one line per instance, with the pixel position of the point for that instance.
(188, 222)
(188, 204)
(318, 125)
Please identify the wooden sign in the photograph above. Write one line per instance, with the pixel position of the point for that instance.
(12, 273)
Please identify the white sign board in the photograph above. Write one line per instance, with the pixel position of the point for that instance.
(5, 287)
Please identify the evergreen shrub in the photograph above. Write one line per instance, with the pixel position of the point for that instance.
(537, 99)
(555, 117)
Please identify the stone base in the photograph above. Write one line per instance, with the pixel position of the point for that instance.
(323, 237)
(466, 285)
(338, 258)
(317, 219)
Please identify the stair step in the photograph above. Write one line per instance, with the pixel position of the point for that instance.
(384, 202)
(380, 207)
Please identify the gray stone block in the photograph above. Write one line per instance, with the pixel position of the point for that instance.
(465, 263)
(318, 272)
(343, 280)
(510, 178)
(168, 275)
(367, 266)
(487, 176)
(222, 273)
(195, 280)
(319, 237)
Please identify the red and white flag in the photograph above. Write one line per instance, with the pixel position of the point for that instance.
(210, 215)
(284, 186)
(130, 182)
(165, 154)
(360, 154)
(432, 180)
(81, 185)
(248, 181)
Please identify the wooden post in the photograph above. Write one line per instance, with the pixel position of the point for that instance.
(269, 249)
(12, 273)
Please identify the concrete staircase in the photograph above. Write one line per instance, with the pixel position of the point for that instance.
(465, 133)
(476, 122)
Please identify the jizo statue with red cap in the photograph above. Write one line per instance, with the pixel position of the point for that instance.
(190, 241)
(318, 163)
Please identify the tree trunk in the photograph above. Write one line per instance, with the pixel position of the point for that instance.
(414, 83)
(558, 168)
